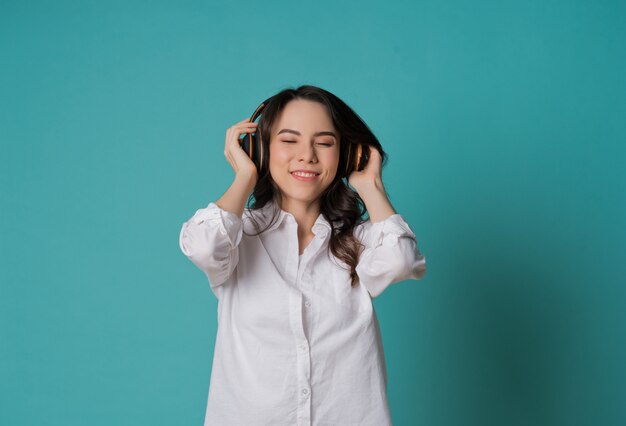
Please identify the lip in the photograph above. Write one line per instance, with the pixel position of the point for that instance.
(303, 178)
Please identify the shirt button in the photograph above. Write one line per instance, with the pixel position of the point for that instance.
(307, 303)
(305, 391)
(303, 347)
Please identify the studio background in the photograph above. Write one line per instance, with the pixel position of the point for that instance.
(505, 126)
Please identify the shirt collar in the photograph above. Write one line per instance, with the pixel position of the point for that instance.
(265, 213)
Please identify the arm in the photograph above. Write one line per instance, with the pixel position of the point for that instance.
(210, 239)
(234, 199)
(391, 253)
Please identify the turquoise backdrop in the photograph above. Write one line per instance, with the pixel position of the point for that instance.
(505, 123)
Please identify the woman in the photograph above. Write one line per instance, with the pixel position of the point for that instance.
(298, 341)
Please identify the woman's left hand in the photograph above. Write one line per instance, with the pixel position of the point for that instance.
(370, 176)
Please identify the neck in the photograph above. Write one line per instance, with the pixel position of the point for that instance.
(305, 213)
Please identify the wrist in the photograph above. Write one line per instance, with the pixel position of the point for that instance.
(247, 179)
(371, 188)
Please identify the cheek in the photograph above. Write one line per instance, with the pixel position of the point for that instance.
(331, 159)
(279, 159)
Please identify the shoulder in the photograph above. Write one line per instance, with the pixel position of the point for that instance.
(260, 220)
(362, 231)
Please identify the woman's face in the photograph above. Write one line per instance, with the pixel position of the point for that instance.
(303, 138)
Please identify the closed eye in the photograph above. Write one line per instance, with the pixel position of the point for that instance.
(324, 144)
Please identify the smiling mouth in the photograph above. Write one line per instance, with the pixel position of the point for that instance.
(304, 176)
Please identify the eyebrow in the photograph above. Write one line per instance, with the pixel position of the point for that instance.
(295, 132)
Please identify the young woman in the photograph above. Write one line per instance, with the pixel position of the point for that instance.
(298, 341)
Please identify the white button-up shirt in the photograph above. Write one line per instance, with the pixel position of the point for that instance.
(296, 345)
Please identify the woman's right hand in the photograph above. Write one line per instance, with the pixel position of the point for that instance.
(234, 153)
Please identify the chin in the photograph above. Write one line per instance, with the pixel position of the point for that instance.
(295, 194)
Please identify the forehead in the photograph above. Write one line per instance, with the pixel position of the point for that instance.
(305, 116)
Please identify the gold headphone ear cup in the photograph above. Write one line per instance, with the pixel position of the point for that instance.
(258, 139)
(251, 146)
(261, 152)
(357, 157)
(348, 158)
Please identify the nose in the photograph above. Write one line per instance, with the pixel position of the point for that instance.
(308, 152)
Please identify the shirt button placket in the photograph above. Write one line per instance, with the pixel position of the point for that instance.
(302, 355)
(304, 369)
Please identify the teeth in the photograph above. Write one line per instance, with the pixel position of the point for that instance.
(304, 174)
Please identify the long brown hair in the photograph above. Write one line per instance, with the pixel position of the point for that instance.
(341, 206)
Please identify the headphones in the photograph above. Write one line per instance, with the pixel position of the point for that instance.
(252, 144)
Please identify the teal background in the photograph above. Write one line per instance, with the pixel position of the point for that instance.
(505, 123)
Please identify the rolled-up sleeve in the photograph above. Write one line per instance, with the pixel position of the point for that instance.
(210, 239)
(390, 255)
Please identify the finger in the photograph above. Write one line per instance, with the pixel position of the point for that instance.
(245, 129)
(246, 122)
(375, 154)
(237, 131)
(246, 125)
(243, 124)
